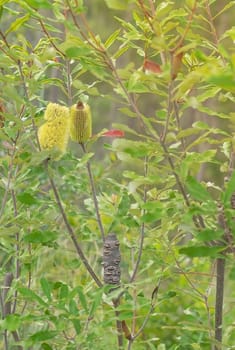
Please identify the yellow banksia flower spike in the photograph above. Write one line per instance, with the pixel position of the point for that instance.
(54, 133)
(80, 122)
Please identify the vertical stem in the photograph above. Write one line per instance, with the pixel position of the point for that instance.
(93, 191)
(116, 303)
(17, 263)
(71, 232)
(220, 272)
(142, 230)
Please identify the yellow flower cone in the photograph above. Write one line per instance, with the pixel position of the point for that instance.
(54, 133)
(80, 122)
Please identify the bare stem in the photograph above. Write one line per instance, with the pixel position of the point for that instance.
(70, 230)
(219, 298)
(142, 230)
(94, 196)
(116, 303)
(17, 263)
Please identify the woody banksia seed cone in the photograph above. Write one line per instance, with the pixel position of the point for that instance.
(54, 133)
(111, 260)
(80, 122)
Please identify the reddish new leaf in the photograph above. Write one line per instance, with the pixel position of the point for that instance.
(113, 133)
(152, 67)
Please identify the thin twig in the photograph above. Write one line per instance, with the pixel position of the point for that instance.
(69, 83)
(142, 230)
(50, 39)
(17, 272)
(169, 112)
(213, 29)
(94, 196)
(189, 22)
(147, 317)
(70, 230)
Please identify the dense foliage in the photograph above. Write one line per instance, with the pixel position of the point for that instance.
(157, 172)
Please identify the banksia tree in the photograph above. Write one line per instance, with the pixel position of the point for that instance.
(80, 123)
(54, 133)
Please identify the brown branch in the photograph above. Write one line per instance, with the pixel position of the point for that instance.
(213, 29)
(219, 298)
(70, 230)
(189, 22)
(50, 39)
(142, 230)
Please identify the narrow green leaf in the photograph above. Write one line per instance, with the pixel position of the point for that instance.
(17, 24)
(76, 52)
(117, 4)
(197, 190)
(43, 335)
(27, 198)
(41, 237)
(208, 235)
(112, 38)
(46, 288)
(200, 251)
(12, 322)
(82, 299)
(77, 325)
(31, 295)
(230, 189)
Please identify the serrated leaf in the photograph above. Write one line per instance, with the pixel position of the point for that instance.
(37, 4)
(209, 235)
(12, 322)
(200, 251)
(17, 23)
(82, 299)
(27, 198)
(230, 189)
(41, 236)
(197, 190)
(46, 288)
(31, 295)
(77, 52)
(112, 38)
(43, 335)
(118, 4)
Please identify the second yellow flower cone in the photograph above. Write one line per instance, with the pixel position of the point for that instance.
(80, 122)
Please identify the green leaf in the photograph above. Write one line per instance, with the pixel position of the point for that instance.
(37, 4)
(27, 198)
(197, 190)
(12, 322)
(112, 38)
(118, 4)
(31, 295)
(230, 189)
(46, 346)
(208, 235)
(46, 287)
(43, 335)
(41, 236)
(82, 298)
(77, 52)
(64, 291)
(17, 23)
(96, 302)
(225, 81)
(73, 309)
(200, 251)
(77, 325)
